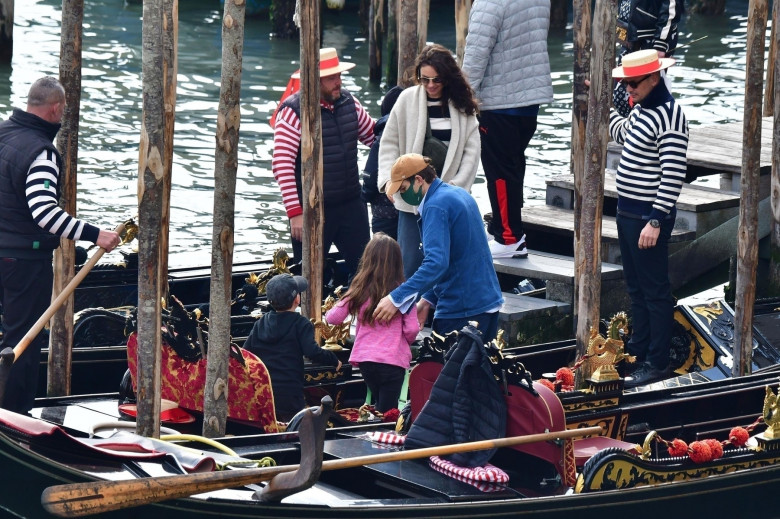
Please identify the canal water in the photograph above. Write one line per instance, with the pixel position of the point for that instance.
(709, 82)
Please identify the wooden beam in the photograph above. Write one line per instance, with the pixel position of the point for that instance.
(61, 326)
(215, 395)
(151, 172)
(588, 251)
(407, 42)
(747, 244)
(311, 159)
(6, 30)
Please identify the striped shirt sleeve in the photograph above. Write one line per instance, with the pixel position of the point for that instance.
(41, 193)
(287, 141)
(365, 125)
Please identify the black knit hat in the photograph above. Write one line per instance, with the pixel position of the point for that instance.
(283, 288)
(390, 98)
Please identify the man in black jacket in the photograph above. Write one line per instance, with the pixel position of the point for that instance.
(31, 225)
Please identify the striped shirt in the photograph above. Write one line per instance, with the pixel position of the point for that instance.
(441, 125)
(287, 142)
(41, 193)
(652, 166)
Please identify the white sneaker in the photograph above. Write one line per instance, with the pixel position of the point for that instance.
(511, 250)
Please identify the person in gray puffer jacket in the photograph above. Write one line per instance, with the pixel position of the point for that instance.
(508, 66)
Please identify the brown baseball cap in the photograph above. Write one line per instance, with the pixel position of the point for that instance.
(404, 167)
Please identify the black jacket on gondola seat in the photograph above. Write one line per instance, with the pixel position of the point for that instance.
(465, 403)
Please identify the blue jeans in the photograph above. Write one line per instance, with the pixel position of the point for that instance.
(487, 324)
(647, 279)
(410, 242)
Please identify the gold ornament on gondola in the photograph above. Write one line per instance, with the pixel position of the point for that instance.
(771, 415)
(603, 354)
(280, 260)
(335, 335)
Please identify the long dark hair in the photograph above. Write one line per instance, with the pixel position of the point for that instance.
(381, 270)
(456, 88)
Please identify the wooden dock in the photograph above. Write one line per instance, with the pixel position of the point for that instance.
(713, 149)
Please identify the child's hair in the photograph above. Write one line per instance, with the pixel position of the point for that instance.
(381, 270)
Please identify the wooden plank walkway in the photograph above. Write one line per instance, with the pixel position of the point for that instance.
(699, 208)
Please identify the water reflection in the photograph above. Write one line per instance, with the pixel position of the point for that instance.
(709, 82)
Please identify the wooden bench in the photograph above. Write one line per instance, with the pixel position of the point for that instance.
(558, 272)
(553, 221)
(699, 209)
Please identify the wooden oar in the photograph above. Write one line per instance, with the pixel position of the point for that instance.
(8, 356)
(78, 499)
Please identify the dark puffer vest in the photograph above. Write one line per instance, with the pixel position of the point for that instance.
(465, 404)
(22, 138)
(340, 131)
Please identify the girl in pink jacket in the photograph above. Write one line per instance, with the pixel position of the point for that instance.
(381, 350)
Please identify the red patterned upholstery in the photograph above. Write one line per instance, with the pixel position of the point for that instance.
(250, 397)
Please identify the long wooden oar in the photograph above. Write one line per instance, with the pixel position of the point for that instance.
(78, 499)
(8, 356)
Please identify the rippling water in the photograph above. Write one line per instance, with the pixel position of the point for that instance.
(709, 82)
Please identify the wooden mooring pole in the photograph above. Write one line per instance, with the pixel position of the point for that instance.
(581, 29)
(311, 159)
(61, 326)
(376, 29)
(588, 253)
(462, 10)
(215, 394)
(150, 201)
(170, 61)
(774, 244)
(747, 246)
(391, 49)
(6, 30)
(407, 42)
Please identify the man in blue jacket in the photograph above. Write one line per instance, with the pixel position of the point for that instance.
(456, 277)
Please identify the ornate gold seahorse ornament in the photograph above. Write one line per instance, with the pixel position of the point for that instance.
(603, 354)
(334, 334)
(771, 415)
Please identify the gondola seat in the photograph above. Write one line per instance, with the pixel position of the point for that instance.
(250, 397)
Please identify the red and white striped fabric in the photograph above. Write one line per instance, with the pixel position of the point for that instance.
(479, 485)
(385, 437)
(489, 472)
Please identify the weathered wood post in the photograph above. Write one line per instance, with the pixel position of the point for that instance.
(423, 10)
(580, 92)
(61, 325)
(769, 89)
(215, 394)
(170, 68)
(150, 201)
(311, 159)
(559, 14)
(588, 252)
(282, 12)
(774, 245)
(7, 30)
(747, 244)
(391, 52)
(376, 29)
(407, 42)
(462, 10)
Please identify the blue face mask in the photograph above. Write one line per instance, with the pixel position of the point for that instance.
(412, 197)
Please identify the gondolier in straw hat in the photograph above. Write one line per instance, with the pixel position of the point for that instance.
(650, 175)
(344, 123)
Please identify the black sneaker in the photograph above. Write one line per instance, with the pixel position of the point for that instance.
(646, 374)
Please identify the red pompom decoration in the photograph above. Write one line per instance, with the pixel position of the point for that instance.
(738, 436)
(391, 415)
(716, 448)
(547, 383)
(565, 376)
(699, 452)
(677, 448)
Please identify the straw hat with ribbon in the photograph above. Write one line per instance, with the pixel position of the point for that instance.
(641, 63)
(329, 64)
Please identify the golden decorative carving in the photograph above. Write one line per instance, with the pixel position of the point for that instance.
(603, 354)
(334, 335)
(280, 260)
(771, 415)
(710, 311)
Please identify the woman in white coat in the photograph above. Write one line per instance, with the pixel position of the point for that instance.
(443, 97)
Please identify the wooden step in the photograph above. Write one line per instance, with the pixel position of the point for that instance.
(539, 220)
(558, 272)
(699, 209)
(533, 320)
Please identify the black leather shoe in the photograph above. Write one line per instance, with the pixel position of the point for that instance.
(646, 374)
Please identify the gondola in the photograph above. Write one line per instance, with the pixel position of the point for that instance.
(560, 475)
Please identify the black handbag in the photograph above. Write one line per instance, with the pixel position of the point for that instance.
(434, 149)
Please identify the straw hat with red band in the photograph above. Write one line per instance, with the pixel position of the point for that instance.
(329, 64)
(641, 63)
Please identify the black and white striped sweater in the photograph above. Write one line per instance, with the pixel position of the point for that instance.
(41, 193)
(652, 166)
